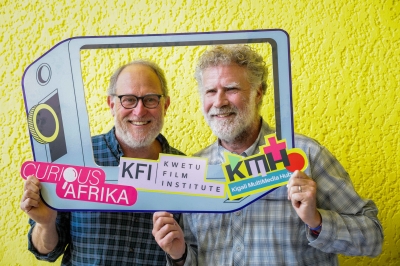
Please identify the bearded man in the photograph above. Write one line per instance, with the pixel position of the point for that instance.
(138, 100)
(308, 222)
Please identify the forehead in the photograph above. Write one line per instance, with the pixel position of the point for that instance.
(136, 79)
(224, 76)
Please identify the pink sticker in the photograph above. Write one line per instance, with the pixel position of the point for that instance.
(80, 183)
(104, 193)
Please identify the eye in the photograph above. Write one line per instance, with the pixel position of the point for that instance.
(128, 99)
(232, 90)
(151, 99)
(211, 91)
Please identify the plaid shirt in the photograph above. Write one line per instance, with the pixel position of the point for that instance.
(106, 238)
(269, 231)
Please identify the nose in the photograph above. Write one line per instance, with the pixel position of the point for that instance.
(220, 99)
(140, 110)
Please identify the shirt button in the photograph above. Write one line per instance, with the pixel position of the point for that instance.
(238, 248)
(131, 249)
(237, 213)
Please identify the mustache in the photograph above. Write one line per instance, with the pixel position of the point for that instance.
(222, 110)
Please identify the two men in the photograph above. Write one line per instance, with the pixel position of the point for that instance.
(308, 222)
(138, 100)
(316, 216)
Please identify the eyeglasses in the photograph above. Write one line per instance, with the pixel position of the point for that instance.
(149, 101)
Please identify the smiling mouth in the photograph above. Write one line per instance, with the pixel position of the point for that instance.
(139, 123)
(223, 115)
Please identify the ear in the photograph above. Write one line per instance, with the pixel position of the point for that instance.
(166, 104)
(111, 103)
(259, 94)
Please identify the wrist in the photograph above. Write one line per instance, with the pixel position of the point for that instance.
(317, 228)
(181, 259)
(315, 222)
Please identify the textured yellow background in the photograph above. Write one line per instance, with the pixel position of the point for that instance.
(345, 71)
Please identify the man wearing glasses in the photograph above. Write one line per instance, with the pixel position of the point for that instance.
(138, 100)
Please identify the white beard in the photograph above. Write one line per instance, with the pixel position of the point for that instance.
(139, 138)
(235, 128)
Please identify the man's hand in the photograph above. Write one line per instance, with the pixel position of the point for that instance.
(302, 191)
(32, 204)
(44, 235)
(168, 234)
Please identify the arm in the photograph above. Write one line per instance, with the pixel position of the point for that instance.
(349, 223)
(43, 237)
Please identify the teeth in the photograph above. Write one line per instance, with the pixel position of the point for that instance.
(139, 123)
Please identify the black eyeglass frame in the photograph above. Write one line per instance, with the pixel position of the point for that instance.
(139, 98)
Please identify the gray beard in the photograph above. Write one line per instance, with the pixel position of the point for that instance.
(134, 141)
(235, 129)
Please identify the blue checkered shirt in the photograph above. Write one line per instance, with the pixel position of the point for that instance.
(106, 238)
(269, 232)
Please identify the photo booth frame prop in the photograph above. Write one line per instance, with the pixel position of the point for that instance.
(53, 84)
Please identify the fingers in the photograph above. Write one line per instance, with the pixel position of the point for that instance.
(296, 196)
(31, 196)
(296, 189)
(162, 216)
(298, 177)
(157, 215)
(302, 192)
(298, 183)
(32, 183)
(164, 222)
(167, 232)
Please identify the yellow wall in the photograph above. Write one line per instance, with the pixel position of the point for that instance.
(345, 70)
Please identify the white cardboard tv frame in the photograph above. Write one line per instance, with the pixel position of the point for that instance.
(58, 72)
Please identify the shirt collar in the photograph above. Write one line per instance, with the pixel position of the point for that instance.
(113, 144)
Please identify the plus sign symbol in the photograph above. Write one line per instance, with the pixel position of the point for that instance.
(297, 160)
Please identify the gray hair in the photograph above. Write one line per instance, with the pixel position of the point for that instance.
(242, 55)
(156, 68)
